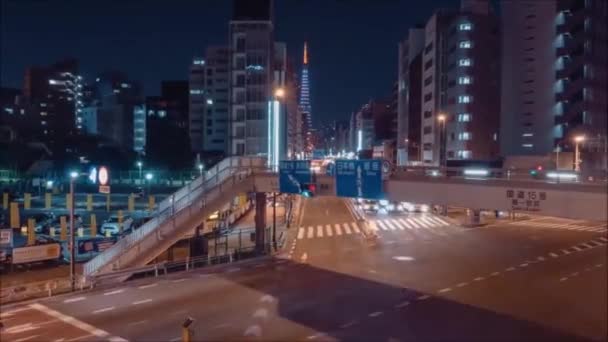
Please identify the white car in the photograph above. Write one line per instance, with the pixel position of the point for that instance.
(111, 225)
(369, 206)
(413, 207)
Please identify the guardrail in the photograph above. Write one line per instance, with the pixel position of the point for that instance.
(544, 176)
(202, 189)
(38, 289)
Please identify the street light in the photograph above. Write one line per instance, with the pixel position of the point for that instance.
(279, 92)
(148, 180)
(73, 176)
(200, 168)
(139, 165)
(577, 154)
(442, 141)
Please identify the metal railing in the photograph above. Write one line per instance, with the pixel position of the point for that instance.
(202, 190)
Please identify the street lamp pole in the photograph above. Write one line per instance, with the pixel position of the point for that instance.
(442, 140)
(274, 220)
(139, 165)
(73, 176)
(149, 181)
(577, 157)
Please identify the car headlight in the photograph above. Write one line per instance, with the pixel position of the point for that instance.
(375, 207)
(390, 207)
(424, 208)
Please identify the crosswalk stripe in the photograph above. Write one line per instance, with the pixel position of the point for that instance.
(300, 233)
(397, 224)
(389, 224)
(405, 223)
(319, 231)
(346, 229)
(438, 220)
(373, 226)
(355, 228)
(311, 232)
(429, 222)
(382, 225)
(420, 223)
(414, 223)
(328, 230)
(338, 230)
(445, 223)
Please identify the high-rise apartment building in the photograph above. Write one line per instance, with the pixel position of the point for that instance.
(460, 88)
(408, 97)
(305, 108)
(209, 101)
(554, 77)
(251, 75)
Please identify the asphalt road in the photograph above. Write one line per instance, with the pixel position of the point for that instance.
(424, 278)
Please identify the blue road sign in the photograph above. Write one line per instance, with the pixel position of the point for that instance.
(359, 178)
(292, 174)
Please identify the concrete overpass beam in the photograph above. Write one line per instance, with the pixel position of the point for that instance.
(260, 222)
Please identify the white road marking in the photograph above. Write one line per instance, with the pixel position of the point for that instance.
(462, 284)
(382, 225)
(338, 230)
(563, 279)
(138, 322)
(604, 239)
(402, 305)
(301, 233)
(78, 338)
(406, 224)
(314, 336)
(114, 292)
(553, 255)
(523, 265)
(328, 230)
(355, 227)
(142, 301)
(346, 229)
(565, 251)
(494, 274)
(12, 312)
(253, 330)
(423, 297)
(72, 300)
(319, 231)
(414, 223)
(447, 289)
(540, 258)
(587, 245)
(479, 279)
(20, 328)
(348, 324)
(236, 269)
(311, 232)
(577, 248)
(390, 225)
(110, 308)
(574, 274)
(178, 280)
(267, 298)
(304, 257)
(375, 314)
(147, 286)
(70, 320)
(510, 269)
(598, 265)
(28, 338)
(260, 313)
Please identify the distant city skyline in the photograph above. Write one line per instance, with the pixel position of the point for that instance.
(157, 41)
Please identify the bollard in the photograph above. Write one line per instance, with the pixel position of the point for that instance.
(187, 263)
(155, 270)
(47, 200)
(186, 332)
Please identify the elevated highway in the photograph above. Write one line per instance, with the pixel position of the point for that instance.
(187, 209)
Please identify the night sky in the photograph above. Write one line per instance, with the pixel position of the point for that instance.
(352, 43)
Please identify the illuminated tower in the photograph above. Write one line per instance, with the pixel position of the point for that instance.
(304, 105)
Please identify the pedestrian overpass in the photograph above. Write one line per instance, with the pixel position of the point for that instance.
(185, 210)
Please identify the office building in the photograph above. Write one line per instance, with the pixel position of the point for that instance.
(209, 101)
(53, 100)
(554, 77)
(304, 104)
(409, 97)
(250, 72)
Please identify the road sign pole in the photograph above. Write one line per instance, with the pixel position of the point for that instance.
(274, 220)
(72, 239)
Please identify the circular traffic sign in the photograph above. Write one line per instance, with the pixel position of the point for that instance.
(103, 176)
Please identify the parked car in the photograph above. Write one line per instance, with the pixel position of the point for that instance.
(369, 206)
(111, 225)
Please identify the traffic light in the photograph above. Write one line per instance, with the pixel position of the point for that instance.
(534, 172)
(308, 190)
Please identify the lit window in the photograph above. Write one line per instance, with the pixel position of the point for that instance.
(527, 135)
(162, 113)
(464, 154)
(465, 62)
(43, 104)
(465, 27)
(116, 91)
(464, 80)
(464, 136)
(125, 85)
(43, 123)
(465, 44)
(464, 117)
(199, 62)
(465, 99)
(43, 113)
(209, 102)
(527, 145)
(9, 110)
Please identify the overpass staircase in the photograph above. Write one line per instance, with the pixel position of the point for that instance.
(179, 214)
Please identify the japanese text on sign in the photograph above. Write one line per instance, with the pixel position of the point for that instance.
(525, 200)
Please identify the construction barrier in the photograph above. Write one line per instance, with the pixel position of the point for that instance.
(64, 228)
(68, 201)
(27, 201)
(15, 219)
(93, 225)
(89, 202)
(151, 203)
(31, 233)
(47, 200)
(5, 201)
(131, 206)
